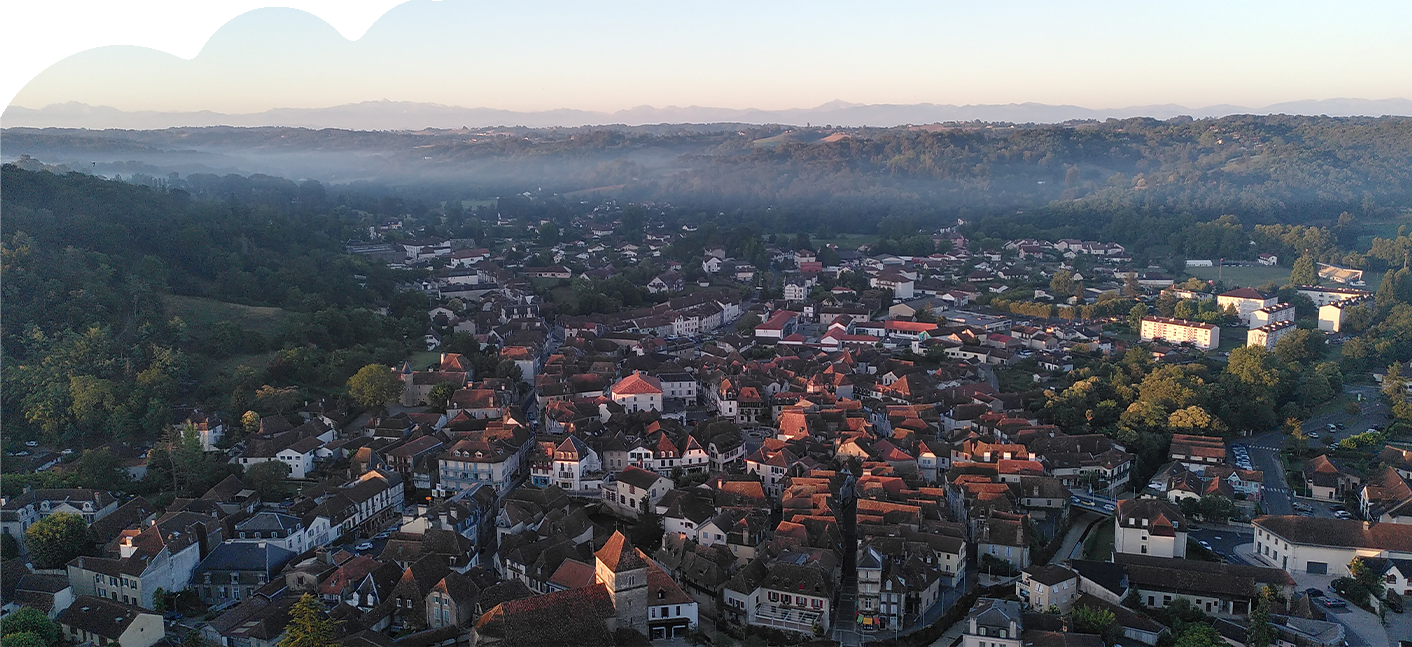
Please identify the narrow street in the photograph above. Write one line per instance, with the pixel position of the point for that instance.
(1265, 456)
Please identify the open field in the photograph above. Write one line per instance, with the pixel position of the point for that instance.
(201, 313)
(1259, 275)
(845, 241)
(1383, 227)
(1242, 276)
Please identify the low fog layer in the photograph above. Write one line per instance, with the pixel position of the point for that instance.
(1287, 168)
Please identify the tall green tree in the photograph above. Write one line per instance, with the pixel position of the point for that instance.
(56, 539)
(99, 469)
(308, 625)
(440, 395)
(374, 385)
(1086, 620)
(25, 639)
(267, 478)
(1199, 634)
(1394, 384)
(1303, 272)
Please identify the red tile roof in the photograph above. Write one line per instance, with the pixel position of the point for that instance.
(638, 384)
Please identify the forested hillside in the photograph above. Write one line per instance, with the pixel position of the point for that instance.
(1083, 177)
(97, 275)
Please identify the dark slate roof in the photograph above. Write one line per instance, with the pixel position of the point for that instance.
(100, 616)
(1108, 575)
(249, 556)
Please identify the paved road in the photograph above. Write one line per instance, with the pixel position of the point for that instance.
(1265, 456)
(1374, 412)
(1265, 448)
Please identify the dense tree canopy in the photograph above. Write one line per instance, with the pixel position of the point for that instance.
(56, 539)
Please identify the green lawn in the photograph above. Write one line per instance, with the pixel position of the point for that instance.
(1242, 276)
(424, 359)
(228, 365)
(1256, 276)
(1099, 543)
(844, 241)
(201, 313)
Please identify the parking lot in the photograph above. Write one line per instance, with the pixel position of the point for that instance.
(1242, 457)
(1222, 541)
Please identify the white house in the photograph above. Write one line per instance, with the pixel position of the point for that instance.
(1149, 527)
(791, 597)
(300, 456)
(635, 491)
(638, 392)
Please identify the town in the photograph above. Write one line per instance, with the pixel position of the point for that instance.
(788, 442)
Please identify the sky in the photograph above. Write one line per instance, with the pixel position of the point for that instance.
(232, 57)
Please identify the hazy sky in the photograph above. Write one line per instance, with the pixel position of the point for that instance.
(601, 55)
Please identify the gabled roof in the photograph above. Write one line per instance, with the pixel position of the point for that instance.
(100, 616)
(619, 555)
(638, 384)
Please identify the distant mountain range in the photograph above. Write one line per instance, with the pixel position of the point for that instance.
(407, 115)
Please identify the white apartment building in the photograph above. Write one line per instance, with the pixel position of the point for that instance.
(1201, 335)
(1245, 301)
(1272, 314)
(1267, 336)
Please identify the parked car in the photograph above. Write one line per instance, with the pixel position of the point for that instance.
(31, 443)
(1334, 603)
(367, 545)
(1313, 593)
